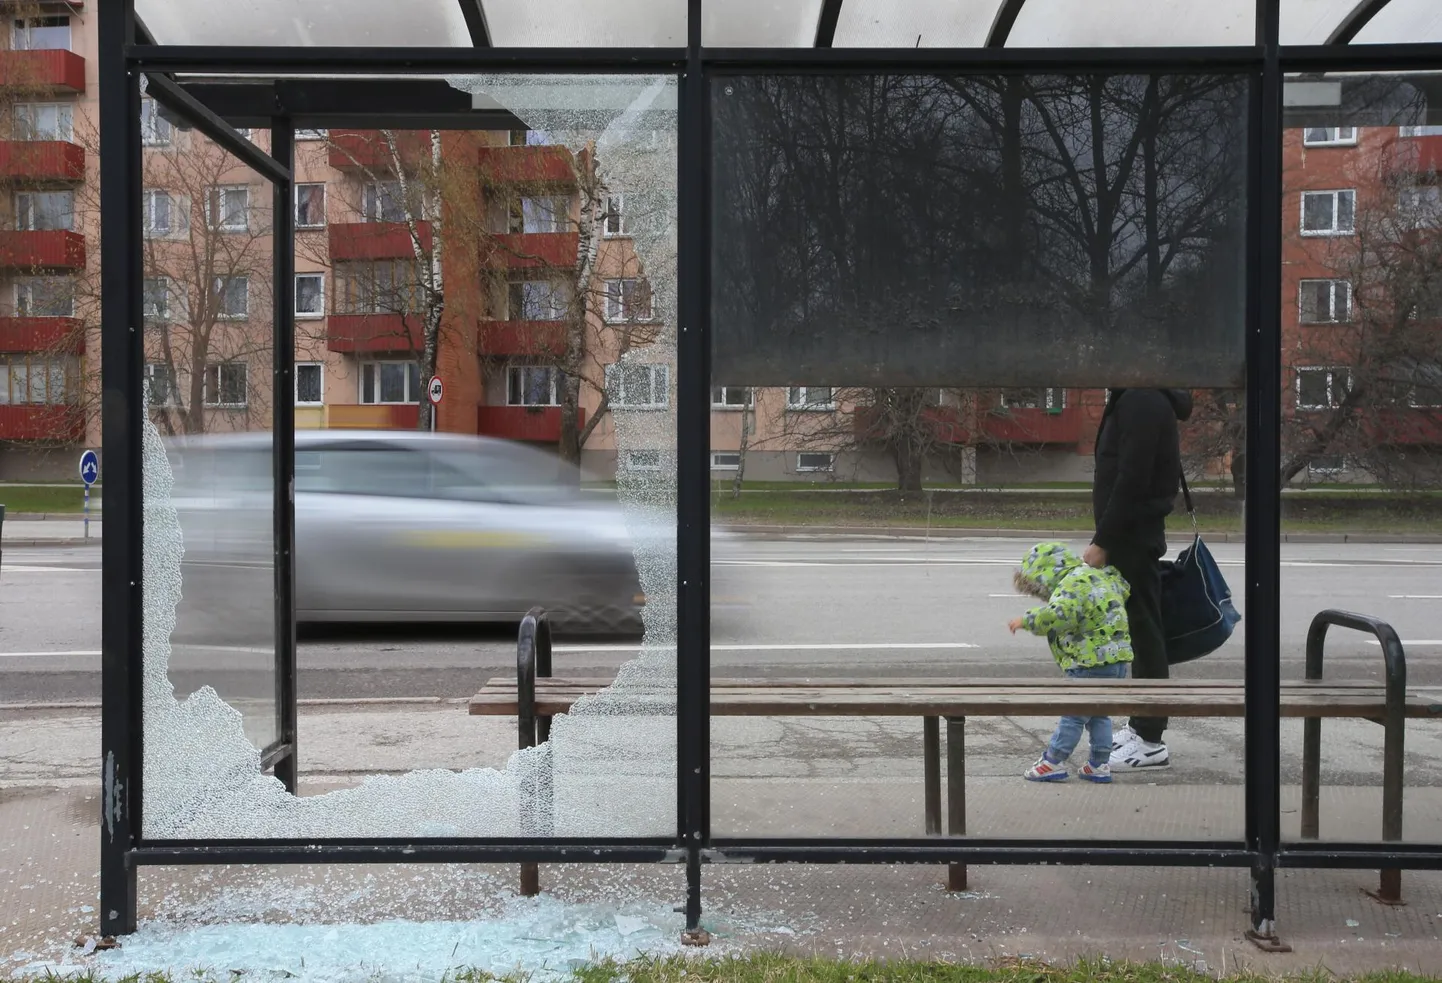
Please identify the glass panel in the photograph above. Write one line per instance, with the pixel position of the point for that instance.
(305, 23)
(1313, 21)
(1362, 433)
(583, 23)
(209, 575)
(816, 171)
(1403, 21)
(1126, 23)
(759, 23)
(915, 23)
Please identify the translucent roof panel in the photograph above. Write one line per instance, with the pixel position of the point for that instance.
(1403, 21)
(589, 23)
(1131, 23)
(305, 23)
(914, 23)
(1313, 21)
(760, 23)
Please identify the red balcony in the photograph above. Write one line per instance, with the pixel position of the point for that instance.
(377, 240)
(49, 70)
(522, 338)
(59, 423)
(945, 422)
(367, 150)
(1421, 154)
(42, 334)
(374, 333)
(42, 161)
(1034, 426)
(537, 424)
(1409, 427)
(530, 251)
(49, 250)
(527, 165)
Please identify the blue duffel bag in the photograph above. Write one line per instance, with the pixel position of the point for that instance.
(1197, 611)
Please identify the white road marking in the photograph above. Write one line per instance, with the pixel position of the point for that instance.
(1414, 597)
(781, 647)
(1411, 641)
(10, 568)
(41, 655)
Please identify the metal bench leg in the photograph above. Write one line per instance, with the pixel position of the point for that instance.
(931, 766)
(956, 794)
(1311, 777)
(1389, 889)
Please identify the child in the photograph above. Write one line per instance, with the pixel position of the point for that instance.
(1085, 623)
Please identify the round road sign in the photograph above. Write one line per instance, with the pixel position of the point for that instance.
(436, 390)
(89, 467)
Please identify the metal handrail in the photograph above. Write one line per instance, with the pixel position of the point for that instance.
(533, 661)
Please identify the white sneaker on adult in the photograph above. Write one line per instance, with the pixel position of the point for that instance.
(1139, 755)
(1122, 736)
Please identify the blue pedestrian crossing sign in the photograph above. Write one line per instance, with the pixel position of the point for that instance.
(89, 468)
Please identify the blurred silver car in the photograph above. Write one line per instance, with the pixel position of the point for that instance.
(399, 526)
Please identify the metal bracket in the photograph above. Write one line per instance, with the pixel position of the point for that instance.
(1266, 939)
(696, 937)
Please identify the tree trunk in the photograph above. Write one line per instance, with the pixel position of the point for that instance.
(569, 446)
(1239, 473)
(745, 443)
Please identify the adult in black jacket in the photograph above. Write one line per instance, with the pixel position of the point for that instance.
(1138, 476)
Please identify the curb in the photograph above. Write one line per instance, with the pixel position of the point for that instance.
(912, 532)
(31, 543)
(48, 516)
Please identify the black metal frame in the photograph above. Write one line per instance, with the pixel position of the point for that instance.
(126, 52)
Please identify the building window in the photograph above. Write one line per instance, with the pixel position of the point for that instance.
(1322, 389)
(643, 460)
(1421, 131)
(155, 297)
(41, 34)
(628, 300)
(36, 380)
(731, 397)
(810, 398)
(1329, 136)
(1052, 399)
(1328, 213)
(725, 460)
(382, 201)
(44, 121)
(164, 215)
(384, 287)
(310, 295)
(390, 382)
(542, 214)
(155, 129)
(309, 383)
(309, 206)
(540, 300)
(815, 461)
(37, 211)
(1420, 206)
(226, 384)
(638, 386)
(45, 296)
(618, 222)
(1328, 465)
(164, 390)
(229, 209)
(1325, 301)
(232, 296)
(533, 385)
(311, 134)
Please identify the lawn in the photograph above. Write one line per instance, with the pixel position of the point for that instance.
(46, 498)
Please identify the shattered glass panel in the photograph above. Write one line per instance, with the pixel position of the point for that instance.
(1129, 23)
(305, 23)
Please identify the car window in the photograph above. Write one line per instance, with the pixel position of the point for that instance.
(513, 475)
(363, 469)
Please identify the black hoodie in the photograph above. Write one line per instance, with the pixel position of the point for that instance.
(1138, 467)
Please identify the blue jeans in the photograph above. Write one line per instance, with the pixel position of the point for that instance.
(1099, 729)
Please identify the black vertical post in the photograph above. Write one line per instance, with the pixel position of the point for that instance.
(282, 148)
(122, 416)
(693, 538)
(1263, 467)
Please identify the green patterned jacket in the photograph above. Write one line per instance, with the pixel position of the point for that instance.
(1085, 617)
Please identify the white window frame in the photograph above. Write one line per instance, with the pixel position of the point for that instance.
(1336, 196)
(163, 312)
(212, 401)
(179, 217)
(218, 217)
(1420, 131)
(155, 129)
(310, 135)
(1333, 398)
(24, 302)
(660, 382)
(829, 467)
(172, 395)
(374, 196)
(373, 365)
(719, 394)
(63, 132)
(1337, 136)
(320, 369)
(20, 28)
(25, 208)
(323, 206)
(632, 466)
(221, 282)
(615, 304)
(1053, 400)
(515, 399)
(616, 209)
(716, 464)
(1334, 292)
(309, 315)
(516, 303)
(798, 401)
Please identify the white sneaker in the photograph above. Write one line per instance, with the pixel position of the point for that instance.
(1139, 755)
(1122, 736)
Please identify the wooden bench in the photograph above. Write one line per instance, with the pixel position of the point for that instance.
(535, 697)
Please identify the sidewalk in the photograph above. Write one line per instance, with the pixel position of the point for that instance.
(51, 530)
(813, 777)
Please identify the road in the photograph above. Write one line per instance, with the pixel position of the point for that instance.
(833, 607)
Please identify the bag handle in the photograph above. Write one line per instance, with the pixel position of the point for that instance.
(1187, 499)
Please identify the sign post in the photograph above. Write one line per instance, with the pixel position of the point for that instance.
(435, 392)
(89, 472)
